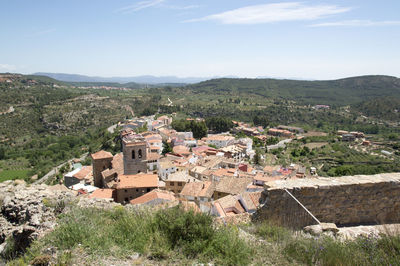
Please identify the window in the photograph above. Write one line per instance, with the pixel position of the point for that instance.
(137, 190)
(126, 190)
(148, 190)
(140, 154)
(171, 184)
(180, 184)
(133, 155)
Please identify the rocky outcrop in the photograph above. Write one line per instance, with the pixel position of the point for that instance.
(27, 212)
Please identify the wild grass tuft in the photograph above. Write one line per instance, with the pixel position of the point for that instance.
(160, 235)
(365, 250)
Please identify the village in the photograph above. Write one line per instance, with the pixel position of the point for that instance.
(214, 174)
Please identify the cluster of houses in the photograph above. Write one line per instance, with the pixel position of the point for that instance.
(351, 136)
(210, 175)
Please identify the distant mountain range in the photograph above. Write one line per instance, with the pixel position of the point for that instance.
(148, 79)
(347, 91)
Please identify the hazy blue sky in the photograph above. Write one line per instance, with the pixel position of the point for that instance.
(248, 38)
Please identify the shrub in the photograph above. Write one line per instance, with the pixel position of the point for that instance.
(159, 235)
(42, 260)
(189, 231)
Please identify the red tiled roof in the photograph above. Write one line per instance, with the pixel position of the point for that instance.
(266, 178)
(233, 185)
(153, 156)
(85, 172)
(198, 189)
(137, 181)
(105, 193)
(152, 195)
(101, 155)
(224, 172)
(180, 149)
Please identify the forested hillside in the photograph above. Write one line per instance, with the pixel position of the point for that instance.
(333, 92)
(45, 122)
(385, 108)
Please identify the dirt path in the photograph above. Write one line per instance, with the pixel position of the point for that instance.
(9, 111)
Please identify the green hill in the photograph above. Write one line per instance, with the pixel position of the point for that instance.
(387, 108)
(333, 92)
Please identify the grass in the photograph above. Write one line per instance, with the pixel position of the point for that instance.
(370, 250)
(165, 235)
(14, 174)
(364, 250)
(174, 236)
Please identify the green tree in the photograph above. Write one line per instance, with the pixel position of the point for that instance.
(2, 153)
(257, 157)
(166, 148)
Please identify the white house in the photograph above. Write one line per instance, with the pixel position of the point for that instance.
(220, 141)
(165, 168)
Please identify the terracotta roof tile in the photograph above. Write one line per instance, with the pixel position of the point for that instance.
(153, 156)
(101, 155)
(198, 189)
(85, 172)
(137, 181)
(224, 172)
(105, 193)
(230, 204)
(152, 195)
(233, 185)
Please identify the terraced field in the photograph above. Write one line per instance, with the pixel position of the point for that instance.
(13, 174)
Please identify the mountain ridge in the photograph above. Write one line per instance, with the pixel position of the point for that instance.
(143, 79)
(336, 92)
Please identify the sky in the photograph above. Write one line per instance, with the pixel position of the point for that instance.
(201, 38)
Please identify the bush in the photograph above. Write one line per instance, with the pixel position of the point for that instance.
(42, 260)
(164, 234)
(188, 231)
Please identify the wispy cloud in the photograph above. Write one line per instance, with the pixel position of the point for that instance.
(358, 23)
(183, 7)
(139, 6)
(7, 67)
(42, 32)
(277, 12)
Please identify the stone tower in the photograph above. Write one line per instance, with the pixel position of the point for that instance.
(135, 156)
(101, 161)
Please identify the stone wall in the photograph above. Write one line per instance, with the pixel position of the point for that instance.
(347, 200)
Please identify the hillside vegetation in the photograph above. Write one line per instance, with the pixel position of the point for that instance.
(51, 122)
(45, 122)
(335, 92)
(383, 107)
(178, 237)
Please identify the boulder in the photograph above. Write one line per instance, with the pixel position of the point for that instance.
(318, 229)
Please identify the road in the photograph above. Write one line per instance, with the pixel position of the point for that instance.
(55, 170)
(10, 110)
(112, 128)
(170, 102)
(280, 144)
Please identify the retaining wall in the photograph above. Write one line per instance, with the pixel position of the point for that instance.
(347, 200)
